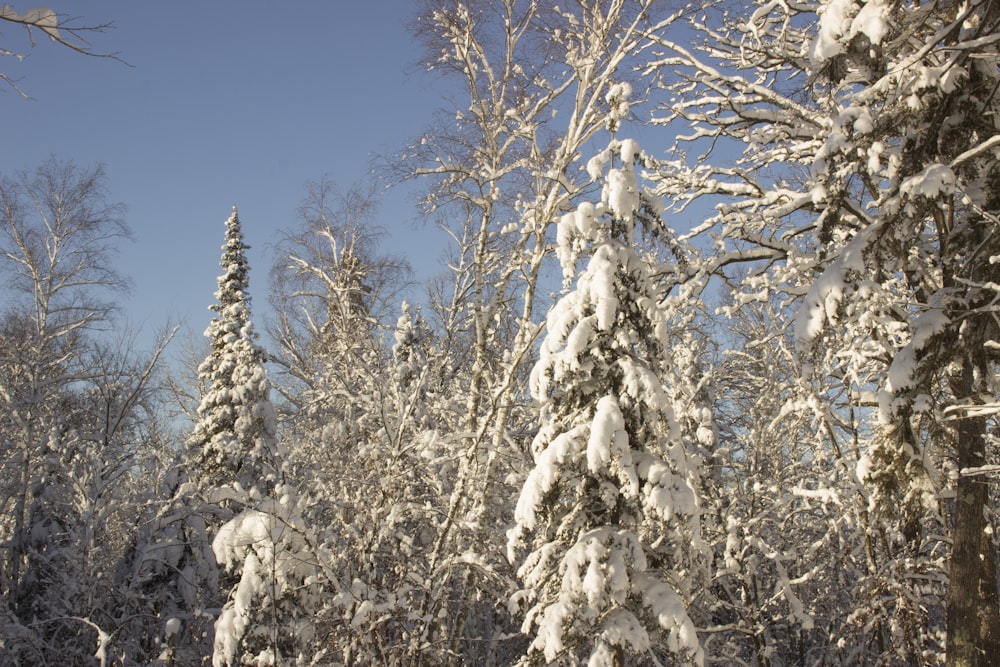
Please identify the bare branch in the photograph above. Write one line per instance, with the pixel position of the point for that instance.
(62, 29)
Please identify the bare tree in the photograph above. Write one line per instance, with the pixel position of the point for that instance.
(55, 244)
(332, 288)
(73, 411)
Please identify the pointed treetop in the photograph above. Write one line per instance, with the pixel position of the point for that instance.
(234, 283)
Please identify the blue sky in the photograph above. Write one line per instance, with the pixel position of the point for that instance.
(224, 102)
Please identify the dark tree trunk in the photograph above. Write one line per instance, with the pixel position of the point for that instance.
(973, 615)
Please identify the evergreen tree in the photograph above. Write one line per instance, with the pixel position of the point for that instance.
(255, 523)
(503, 166)
(234, 440)
(230, 465)
(610, 512)
(279, 583)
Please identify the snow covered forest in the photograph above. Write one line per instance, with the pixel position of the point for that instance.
(709, 377)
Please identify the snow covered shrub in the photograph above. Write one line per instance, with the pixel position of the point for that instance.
(268, 619)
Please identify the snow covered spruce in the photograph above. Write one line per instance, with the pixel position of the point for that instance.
(234, 440)
(267, 584)
(608, 517)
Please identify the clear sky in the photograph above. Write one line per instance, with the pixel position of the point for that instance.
(224, 102)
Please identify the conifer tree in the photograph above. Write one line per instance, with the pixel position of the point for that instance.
(258, 534)
(230, 465)
(610, 511)
(234, 440)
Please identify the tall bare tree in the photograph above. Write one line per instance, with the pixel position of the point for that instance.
(58, 235)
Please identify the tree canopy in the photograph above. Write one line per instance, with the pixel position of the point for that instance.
(708, 376)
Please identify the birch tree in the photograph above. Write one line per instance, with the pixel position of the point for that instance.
(77, 407)
(359, 394)
(59, 232)
(791, 514)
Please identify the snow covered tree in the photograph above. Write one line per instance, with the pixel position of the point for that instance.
(361, 417)
(58, 232)
(84, 512)
(172, 570)
(610, 513)
(920, 134)
(331, 290)
(863, 182)
(790, 510)
(270, 617)
(234, 441)
(502, 167)
(258, 534)
(231, 464)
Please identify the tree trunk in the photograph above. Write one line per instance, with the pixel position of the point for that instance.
(973, 616)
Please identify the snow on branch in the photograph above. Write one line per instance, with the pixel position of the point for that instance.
(59, 28)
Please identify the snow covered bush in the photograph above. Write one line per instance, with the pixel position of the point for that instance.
(270, 614)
